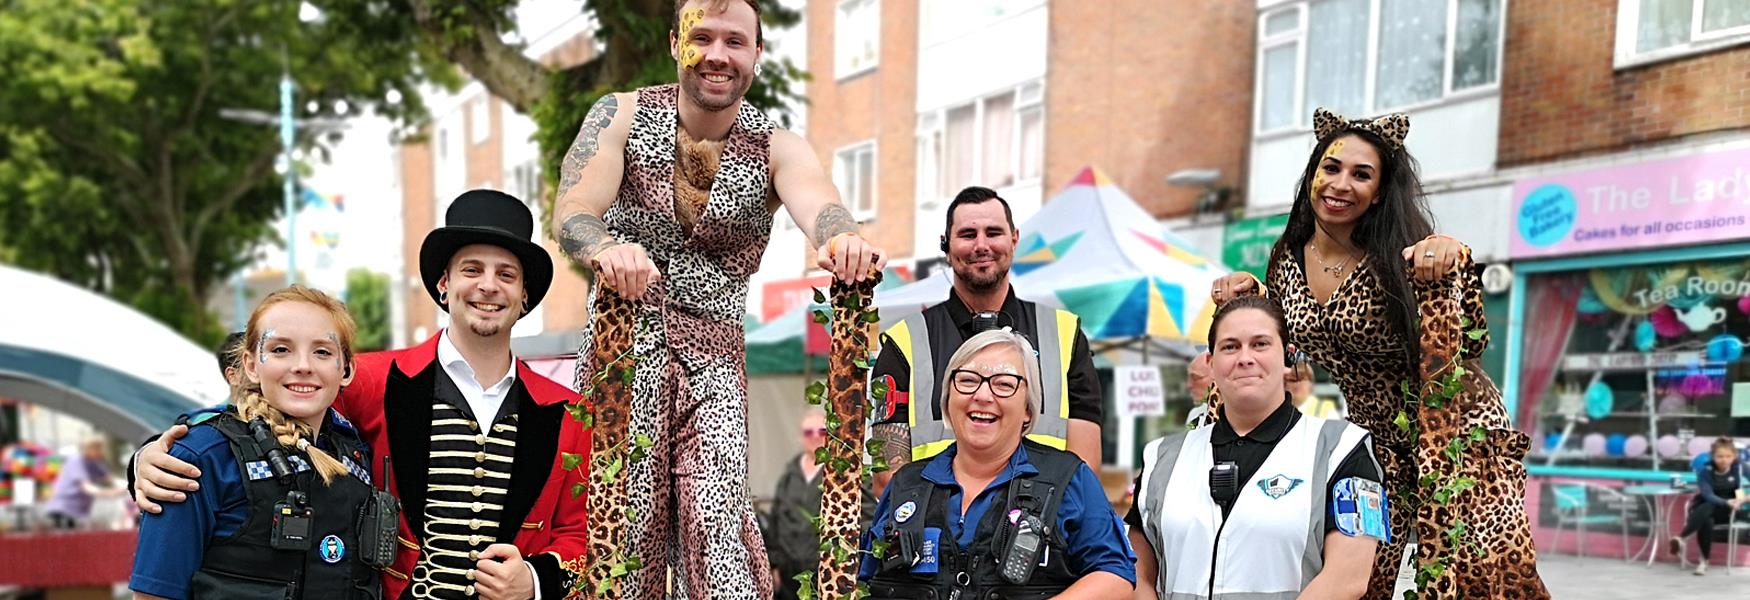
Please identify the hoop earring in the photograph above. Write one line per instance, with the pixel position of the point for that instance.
(758, 70)
(443, 297)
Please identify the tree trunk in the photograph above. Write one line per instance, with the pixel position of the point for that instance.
(502, 68)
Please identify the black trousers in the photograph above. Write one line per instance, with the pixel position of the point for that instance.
(1702, 518)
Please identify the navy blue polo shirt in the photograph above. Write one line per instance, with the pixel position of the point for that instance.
(173, 544)
(1085, 520)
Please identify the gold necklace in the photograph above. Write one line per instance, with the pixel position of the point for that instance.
(1319, 256)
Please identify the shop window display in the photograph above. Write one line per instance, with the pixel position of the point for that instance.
(1635, 367)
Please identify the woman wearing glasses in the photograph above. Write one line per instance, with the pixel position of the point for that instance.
(994, 515)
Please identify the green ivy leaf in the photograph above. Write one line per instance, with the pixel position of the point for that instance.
(570, 460)
(633, 562)
(861, 363)
(878, 548)
(870, 317)
(840, 465)
(1478, 434)
(821, 317)
(816, 392)
(1402, 421)
(626, 374)
(577, 489)
(1476, 334)
(642, 441)
(878, 390)
(879, 464)
(631, 514)
(806, 590)
(819, 296)
(821, 455)
(875, 446)
(613, 469)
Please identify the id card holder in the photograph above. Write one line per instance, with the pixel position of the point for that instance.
(1360, 509)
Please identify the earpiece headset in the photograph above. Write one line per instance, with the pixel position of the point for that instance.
(1292, 359)
(944, 240)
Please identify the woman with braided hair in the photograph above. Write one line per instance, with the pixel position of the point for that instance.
(282, 476)
(1388, 306)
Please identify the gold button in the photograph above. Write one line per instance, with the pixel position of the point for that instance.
(478, 491)
(479, 457)
(473, 426)
(479, 506)
(479, 472)
(470, 574)
(470, 590)
(473, 555)
(480, 439)
(474, 524)
(499, 428)
(473, 540)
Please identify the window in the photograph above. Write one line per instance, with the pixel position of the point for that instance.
(948, 19)
(1653, 30)
(853, 171)
(996, 141)
(1364, 57)
(480, 120)
(856, 37)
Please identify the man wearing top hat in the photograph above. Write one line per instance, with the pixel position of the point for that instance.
(476, 438)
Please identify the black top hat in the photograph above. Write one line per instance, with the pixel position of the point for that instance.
(486, 217)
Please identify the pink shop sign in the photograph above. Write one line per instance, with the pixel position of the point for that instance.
(1678, 201)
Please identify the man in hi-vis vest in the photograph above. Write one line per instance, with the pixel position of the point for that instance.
(979, 242)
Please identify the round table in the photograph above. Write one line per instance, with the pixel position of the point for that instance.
(1659, 496)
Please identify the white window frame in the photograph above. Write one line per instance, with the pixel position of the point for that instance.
(1628, 21)
(842, 67)
(847, 155)
(1303, 114)
(479, 120)
(1029, 97)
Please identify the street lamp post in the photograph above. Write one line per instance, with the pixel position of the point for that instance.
(288, 132)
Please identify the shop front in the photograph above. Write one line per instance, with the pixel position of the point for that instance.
(1630, 313)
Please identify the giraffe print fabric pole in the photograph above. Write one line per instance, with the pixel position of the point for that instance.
(848, 413)
(611, 398)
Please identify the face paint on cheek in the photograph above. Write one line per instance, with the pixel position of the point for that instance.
(1318, 180)
(261, 347)
(689, 55)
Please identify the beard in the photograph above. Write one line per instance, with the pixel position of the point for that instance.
(485, 328)
(692, 84)
(980, 282)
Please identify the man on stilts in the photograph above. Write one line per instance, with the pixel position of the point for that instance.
(667, 194)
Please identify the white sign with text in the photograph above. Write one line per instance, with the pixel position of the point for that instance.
(1139, 392)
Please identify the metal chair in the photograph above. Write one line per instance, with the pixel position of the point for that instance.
(1574, 507)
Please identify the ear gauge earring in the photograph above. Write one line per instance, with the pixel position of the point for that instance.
(443, 297)
(758, 70)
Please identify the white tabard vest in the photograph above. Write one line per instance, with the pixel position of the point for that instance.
(1273, 542)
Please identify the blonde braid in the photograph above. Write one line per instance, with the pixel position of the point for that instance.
(289, 433)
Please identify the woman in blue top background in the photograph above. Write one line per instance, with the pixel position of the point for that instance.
(222, 542)
(1717, 484)
(949, 523)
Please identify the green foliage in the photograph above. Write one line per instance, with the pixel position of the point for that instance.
(117, 172)
(367, 298)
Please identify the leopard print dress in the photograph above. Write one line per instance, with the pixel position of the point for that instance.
(1350, 335)
(689, 496)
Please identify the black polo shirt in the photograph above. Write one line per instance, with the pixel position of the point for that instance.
(1085, 398)
(1249, 451)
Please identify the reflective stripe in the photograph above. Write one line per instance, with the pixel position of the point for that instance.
(1166, 452)
(1235, 596)
(931, 435)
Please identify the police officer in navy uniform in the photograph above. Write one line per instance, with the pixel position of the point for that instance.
(284, 478)
(994, 515)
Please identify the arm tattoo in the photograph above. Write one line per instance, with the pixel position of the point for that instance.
(584, 147)
(897, 443)
(833, 220)
(583, 235)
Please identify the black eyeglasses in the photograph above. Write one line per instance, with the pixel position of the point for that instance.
(1002, 385)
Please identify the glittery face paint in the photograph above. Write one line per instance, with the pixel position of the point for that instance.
(261, 347)
(689, 55)
(1318, 181)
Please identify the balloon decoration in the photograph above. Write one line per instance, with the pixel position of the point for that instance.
(1700, 445)
(1600, 400)
(1725, 348)
(1696, 385)
(1665, 322)
(1674, 403)
(1635, 447)
(1645, 336)
(1590, 308)
(1593, 444)
(1744, 305)
(1669, 446)
(1614, 444)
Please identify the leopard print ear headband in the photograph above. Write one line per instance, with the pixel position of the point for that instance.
(1392, 128)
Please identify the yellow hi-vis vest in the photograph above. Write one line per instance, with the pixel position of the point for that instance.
(1054, 333)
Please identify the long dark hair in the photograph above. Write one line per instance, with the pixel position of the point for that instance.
(1397, 219)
